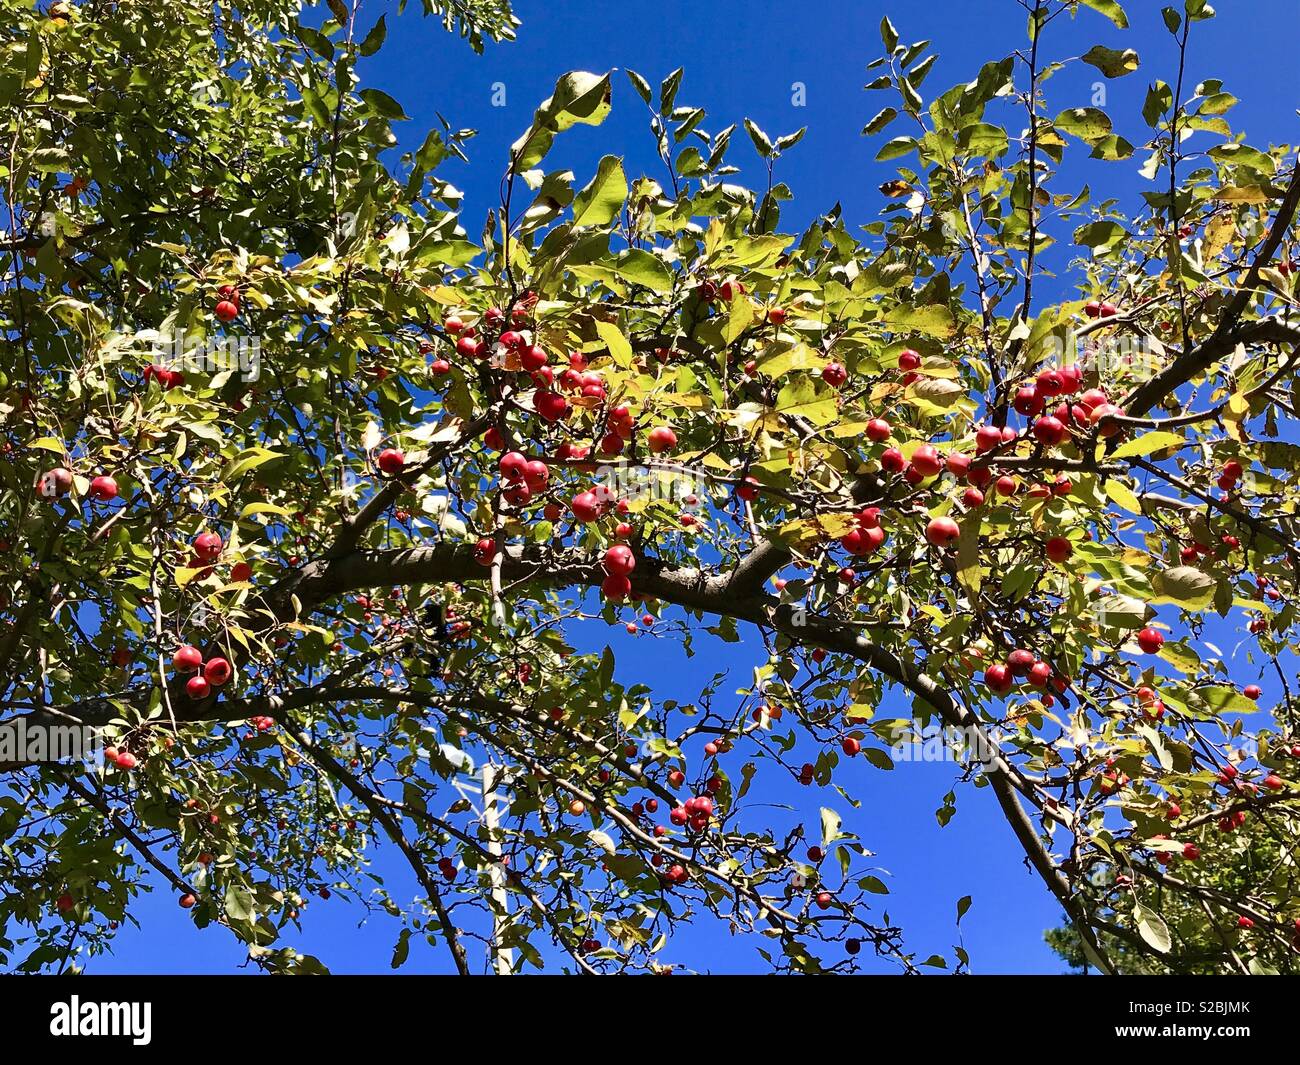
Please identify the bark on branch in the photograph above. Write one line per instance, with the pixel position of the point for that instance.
(695, 589)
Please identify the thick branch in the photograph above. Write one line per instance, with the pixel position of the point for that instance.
(693, 589)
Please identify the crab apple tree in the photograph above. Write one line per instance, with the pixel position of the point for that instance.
(909, 465)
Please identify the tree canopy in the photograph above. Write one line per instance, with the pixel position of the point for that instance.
(307, 479)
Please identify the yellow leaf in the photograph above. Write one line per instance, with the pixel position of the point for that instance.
(185, 574)
(968, 555)
(1253, 194)
(742, 314)
(1120, 494)
(1219, 232)
(781, 358)
(685, 401)
(811, 530)
(262, 508)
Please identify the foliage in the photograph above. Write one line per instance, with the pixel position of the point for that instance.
(390, 623)
(1206, 936)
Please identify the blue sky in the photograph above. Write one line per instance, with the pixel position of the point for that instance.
(747, 60)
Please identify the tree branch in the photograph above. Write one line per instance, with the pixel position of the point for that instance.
(686, 587)
(1229, 332)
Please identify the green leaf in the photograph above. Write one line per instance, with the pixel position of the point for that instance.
(34, 53)
(790, 139)
(316, 41)
(754, 252)
(618, 345)
(1112, 62)
(1220, 103)
(238, 903)
(644, 268)
(263, 508)
(1087, 123)
(1221, 699)
(1148, 443)
(450, 252)
(1180, 656)
(780, 359)
(830, 826)
(762, 142)
(936, 320)
(739, 318)
(1100, 236)
(668, 91)
(1018, 580)
(1053, 320)
(639, 83)
(747, 772)
(599, 202)
(1243, 155)
(878, 758)
(888, 35)
(911, 98)
(579, 97)
(1110, 9)
(374, 40)
(802, 399)
(917, 75)
(896, 149)
(1160, 98)
(52, 160)
(248, 460)
(1111, 148)
(983, 138)
(1187, 586)
(1157, 744)
(690, 162)
(1121, 612)
(1252, 194)
(401, 949)
(1152, 928)
(880, 121)
(384, 105)
(184, 574)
